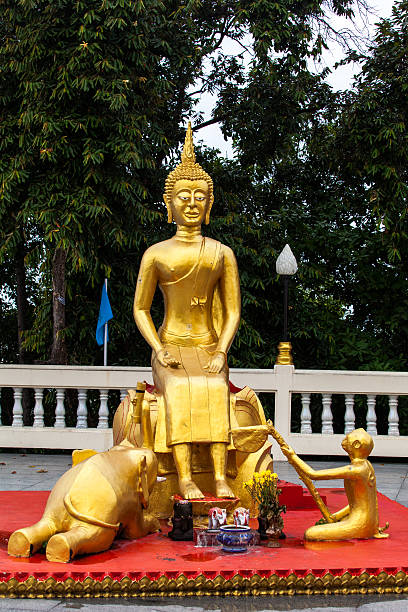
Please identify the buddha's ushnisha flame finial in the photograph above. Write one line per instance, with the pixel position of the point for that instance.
(188, 155)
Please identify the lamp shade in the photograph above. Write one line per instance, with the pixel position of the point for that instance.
(286, 263)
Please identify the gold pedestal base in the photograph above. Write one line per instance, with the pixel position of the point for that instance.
(161, 502)
(284, 354)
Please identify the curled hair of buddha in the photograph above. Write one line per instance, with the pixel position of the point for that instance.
(188, 170)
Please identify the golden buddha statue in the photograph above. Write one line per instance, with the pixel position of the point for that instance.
(189, 359)
(191, 410)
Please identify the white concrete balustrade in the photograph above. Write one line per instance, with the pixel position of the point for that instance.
(317, 390)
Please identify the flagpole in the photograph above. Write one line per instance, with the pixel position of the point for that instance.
(105, 339)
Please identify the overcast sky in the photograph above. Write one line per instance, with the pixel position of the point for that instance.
(341, 78)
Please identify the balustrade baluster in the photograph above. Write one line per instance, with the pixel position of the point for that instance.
(327, 415)
(103, 409)
(349, 416)
(371, 415)
(82, 412)
(38, 408)
(305, 415)
(60, 409)
(0, 410)
(123, 394)
(17, 408)
(393, 419)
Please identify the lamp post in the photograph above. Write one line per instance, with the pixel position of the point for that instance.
(286, 266)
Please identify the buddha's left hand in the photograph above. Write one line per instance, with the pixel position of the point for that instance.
(215, 363)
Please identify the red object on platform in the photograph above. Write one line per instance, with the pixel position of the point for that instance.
(156, 556)
(295, 497)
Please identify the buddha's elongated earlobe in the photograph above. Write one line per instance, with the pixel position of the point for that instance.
(207, 214)
(169, 213)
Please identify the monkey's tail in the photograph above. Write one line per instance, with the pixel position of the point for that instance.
(380, 533)
(86, 519)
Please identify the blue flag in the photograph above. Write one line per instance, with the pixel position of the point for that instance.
(105, 315)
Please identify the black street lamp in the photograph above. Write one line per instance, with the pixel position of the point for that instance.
(286, 266)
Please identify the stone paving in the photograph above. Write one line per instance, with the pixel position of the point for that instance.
(39, 472)
(351, 603)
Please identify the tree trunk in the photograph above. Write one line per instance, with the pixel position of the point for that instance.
(21, 295)
(59, 353)
(22, 324)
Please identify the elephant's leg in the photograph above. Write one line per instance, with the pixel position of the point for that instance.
(24, 542)
(140, 526)
(150, 523)
(80, 539)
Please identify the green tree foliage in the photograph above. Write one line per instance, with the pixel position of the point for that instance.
(309, 161)
(95, 100)
(368, 152)
(373, 129)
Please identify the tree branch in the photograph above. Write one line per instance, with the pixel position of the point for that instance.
(209, 122)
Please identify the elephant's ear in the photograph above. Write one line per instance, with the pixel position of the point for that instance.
(142, 484)
(80, 455)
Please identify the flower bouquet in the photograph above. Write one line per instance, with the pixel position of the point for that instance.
(263, 488)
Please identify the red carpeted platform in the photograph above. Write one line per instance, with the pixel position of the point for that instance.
(156, 566)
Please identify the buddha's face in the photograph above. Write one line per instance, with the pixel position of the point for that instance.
(189, 202)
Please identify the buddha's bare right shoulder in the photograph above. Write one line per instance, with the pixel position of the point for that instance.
(156, 252)
(157, 249)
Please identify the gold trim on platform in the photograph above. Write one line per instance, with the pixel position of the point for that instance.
(292, 584)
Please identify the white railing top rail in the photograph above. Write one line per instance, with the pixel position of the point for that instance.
(350, 381)
(262, 380)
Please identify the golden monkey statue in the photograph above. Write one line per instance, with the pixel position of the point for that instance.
(191, 407)
(359, 519)
(94, 501)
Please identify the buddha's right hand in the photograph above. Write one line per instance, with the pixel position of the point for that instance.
(166, 359)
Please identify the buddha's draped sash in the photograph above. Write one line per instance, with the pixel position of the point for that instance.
(195, 406)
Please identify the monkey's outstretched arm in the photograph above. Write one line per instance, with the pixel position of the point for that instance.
(294, 460)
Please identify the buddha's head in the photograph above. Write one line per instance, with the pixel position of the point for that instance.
(188, 192)
(358, 444)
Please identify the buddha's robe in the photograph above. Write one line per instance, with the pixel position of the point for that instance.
(196, 404)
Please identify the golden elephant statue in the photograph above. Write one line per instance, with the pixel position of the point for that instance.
(104, 495)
